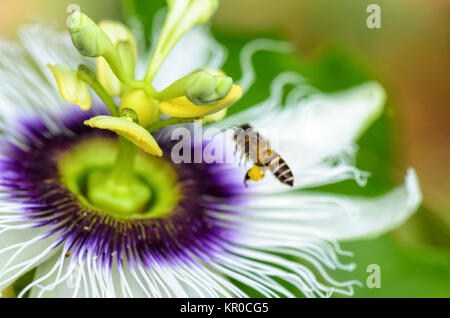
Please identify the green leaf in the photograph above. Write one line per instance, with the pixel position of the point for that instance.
(405, 272)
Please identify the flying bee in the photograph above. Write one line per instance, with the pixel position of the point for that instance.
(256, 149)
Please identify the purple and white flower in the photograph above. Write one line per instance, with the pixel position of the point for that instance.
(213, 237)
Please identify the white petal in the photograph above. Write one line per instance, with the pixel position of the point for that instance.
(321, 125)
(46, 45)
(29, 88)
(196, 49)
(250, 49)
(306, 226)
(56, 278)
(23, 90)
(287, 215)
(326, 124)
(376, 216)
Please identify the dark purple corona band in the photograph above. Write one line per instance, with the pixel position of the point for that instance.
(29, 175)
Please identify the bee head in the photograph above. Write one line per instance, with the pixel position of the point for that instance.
(245, 127)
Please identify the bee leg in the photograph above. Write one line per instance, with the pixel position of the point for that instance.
(241, 158)
(246, 179)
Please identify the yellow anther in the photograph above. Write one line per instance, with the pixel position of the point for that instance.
(181, 107)
(71, 88)
(130, 130)
(216, 116)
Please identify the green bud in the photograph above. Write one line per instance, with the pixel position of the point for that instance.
(207, 89)
(223, 85)
(88, 37)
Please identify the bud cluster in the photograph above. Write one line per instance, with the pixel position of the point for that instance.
(203, 94)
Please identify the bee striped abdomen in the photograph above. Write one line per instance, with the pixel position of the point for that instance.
(279, 168)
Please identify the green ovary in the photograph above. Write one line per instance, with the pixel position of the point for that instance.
(152, 191)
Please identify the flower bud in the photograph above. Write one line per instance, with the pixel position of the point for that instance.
(207, 89)
(87, 36)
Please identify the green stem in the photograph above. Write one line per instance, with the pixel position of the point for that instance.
(176, 89)
(146, 87)
(122, 172)
(169, 122)
(86, 75)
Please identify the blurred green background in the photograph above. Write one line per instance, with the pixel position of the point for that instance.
(409, 55)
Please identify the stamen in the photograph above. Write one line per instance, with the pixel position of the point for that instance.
(128, 129)
(182, 108)
(71, 87)
(87, 76)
